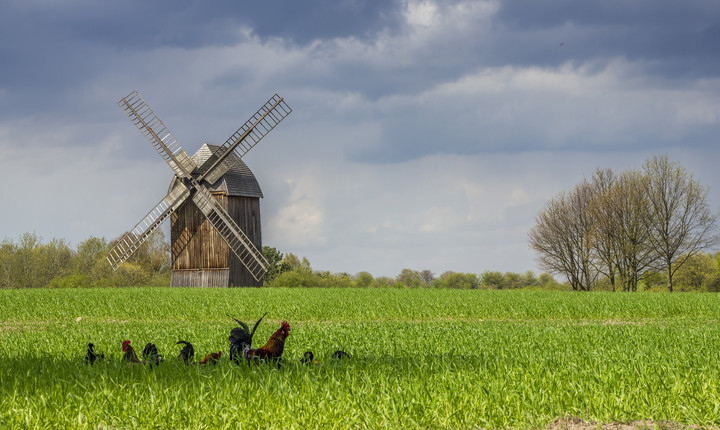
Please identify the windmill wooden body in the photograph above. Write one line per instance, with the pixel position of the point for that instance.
(213, 202)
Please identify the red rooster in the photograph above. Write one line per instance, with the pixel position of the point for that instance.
(272, 350)
(129, 351)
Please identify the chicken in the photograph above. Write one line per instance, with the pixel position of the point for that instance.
(187, 353)
(150, 355)
(211, 358)
(340, 354)
(273, 349)
(129, 353)
(91, 355)
(308, 358)
(241, 339)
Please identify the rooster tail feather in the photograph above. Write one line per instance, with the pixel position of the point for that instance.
(186, 343)
(256, 325)
(187, 349)
(242, 324)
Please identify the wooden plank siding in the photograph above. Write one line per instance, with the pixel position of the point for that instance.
(246, 212)
(200, 257)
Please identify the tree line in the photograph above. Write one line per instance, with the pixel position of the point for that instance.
(291, 271)
(31, 263)
(620, 230)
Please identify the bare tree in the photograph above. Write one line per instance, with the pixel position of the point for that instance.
(562, 237)
(604, 242)
(628, 223)
(681, 222)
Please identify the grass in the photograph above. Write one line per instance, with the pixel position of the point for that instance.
(421, 359)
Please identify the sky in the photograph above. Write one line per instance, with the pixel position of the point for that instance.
(424, 134)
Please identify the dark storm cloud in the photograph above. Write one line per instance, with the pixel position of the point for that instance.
(681, 37)
(49, 50)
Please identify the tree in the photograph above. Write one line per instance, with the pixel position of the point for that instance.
(153, 256)
(460, 281)
(628, 219)
(276, 264)
(492, 279)
(410, 278)
(7, 264)
(513, 281)
(562, 237)
(530, 280)
(604, 244)
(696, 272)
(427, 276)
(681, 222)
(363, 279)
(88, 252)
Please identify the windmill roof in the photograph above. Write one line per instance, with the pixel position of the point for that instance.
(239, 180)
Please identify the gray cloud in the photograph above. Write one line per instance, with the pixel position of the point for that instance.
(425, 133)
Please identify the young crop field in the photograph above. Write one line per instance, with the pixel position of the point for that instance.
(425, 359)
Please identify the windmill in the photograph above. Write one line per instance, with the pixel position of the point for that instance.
(191, 189)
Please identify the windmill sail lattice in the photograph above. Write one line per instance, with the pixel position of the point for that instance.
(238, 242)
(193, 181)
(246, 137)
(132, 240)
(157, 134)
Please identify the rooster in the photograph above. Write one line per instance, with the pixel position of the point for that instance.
(211, 358)
(91, 355)
(241, 343)
(273, 349)
(187, 353)
(150, 355)
(241, 339)
(129, 353)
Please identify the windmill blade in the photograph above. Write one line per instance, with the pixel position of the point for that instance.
(246, 137)
(236, 239)
(157, 134)
(132, 240)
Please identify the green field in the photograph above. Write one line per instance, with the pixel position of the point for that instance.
(421, 359)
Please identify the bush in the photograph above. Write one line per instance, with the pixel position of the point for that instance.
(76, 280)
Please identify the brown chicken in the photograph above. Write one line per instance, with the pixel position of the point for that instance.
(211, 358)
(129, 353)
(274, 347)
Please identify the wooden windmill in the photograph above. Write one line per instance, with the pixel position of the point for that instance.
(215, 229)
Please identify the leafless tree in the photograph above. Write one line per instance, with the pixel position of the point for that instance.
(604, 241)
(628, 222)
(562, 237)
(681, 221)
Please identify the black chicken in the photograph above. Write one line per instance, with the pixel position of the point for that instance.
(187, 353)
(308, 358)
(339, 354)
(91, 356)
(241, 339)
(150, 355)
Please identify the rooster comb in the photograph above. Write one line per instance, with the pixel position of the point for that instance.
(285, 325)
